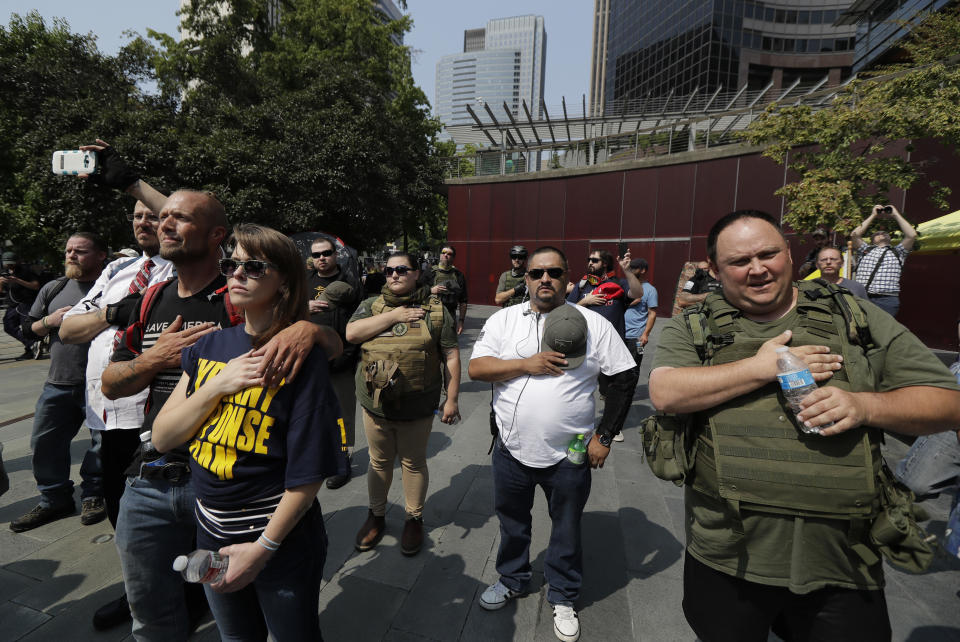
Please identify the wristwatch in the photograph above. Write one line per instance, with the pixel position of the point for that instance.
(604, 439)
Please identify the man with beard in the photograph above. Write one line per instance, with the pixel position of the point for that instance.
(60, 408)
(450, 284)
(543, 359)
(333, 307)
(512, 288)
(98, 318)
(785, 511)
(156, 517)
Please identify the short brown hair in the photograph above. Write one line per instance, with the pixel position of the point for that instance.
(267, 244)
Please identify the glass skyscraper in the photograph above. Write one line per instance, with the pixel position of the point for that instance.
(501, 63)
(652, 48)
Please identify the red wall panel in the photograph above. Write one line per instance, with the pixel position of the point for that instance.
(675, 200)
(485, 219)
(640, 189)
(593, 206)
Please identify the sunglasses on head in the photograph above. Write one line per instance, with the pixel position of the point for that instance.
(537, 273)
(593, 259)
(317, 255)
(401, 270)
(518, 256)
(253, 268)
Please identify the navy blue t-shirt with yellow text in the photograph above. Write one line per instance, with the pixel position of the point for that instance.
(258, 442)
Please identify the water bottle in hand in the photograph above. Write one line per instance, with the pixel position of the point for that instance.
(796, 382)
(202, 566)
(577, 450)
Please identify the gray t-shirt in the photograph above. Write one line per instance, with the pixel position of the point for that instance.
(68, 363)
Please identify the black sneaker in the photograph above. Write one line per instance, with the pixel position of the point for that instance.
(27, 353)
(112, 614)
(37, 349)
(92, 510)
(337, 481)
(42, 515)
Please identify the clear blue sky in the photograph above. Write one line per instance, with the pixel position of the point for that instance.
(437, 31)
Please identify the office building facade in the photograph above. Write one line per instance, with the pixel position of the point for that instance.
(882, 24)
(500, 63)
(652, 48)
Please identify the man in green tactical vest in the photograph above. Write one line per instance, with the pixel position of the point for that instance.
(512, 288)
(784, 529)
(450, 285)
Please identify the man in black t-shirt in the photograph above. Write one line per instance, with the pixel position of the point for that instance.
(156, 521)
(334, 310)
(450, 284)
(20, 285)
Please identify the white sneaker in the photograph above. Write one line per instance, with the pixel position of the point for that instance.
(566, 624)
(618, 436)
(496, 596)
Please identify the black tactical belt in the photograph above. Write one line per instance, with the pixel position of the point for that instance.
(174, 472)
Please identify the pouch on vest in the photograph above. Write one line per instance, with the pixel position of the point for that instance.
(895, 531)
(379, 376)
(665, 438)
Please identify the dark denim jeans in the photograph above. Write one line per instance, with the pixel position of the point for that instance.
(284, 597)
(156, 524)
(889, 304)
(566, 487)
(59, 416)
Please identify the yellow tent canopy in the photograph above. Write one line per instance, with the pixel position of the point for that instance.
(939, 236)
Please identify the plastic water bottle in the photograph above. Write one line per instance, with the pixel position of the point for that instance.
(577, 450)
(796, 382)
(149, 455)
(201, 566)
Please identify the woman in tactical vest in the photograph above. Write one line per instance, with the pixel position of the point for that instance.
(258, 455)
(409, 353)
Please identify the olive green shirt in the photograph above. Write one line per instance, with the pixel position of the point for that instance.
(413, 405)
(801, 553)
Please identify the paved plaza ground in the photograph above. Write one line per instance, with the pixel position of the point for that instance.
(54, 577)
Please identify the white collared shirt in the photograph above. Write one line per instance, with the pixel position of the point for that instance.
(113, 285)
(538, 415)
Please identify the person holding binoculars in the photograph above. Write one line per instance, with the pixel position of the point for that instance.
(878, 265)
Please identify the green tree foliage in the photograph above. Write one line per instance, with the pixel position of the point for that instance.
(57, 92)
(307, 118)
(849, 153)
(301, 117)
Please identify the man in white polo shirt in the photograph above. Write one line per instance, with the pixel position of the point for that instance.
(544, 359)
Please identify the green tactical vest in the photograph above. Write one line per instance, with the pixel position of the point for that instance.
(404, 358)
(511, 281)
(750, 451)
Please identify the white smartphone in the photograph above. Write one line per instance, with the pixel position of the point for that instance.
(72, 162)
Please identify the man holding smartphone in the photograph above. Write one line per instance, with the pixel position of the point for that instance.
(879, 266)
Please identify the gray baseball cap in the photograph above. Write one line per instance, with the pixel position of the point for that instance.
(565, 330)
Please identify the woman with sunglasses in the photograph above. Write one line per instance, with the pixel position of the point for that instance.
(409, 352)
(258, 455)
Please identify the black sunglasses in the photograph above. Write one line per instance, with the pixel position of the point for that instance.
(593, 259)
(401, 270)
(522, 257)
(317, 255)
(537, 273)
(253, 268)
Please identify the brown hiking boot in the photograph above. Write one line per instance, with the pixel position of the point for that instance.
(371, 532)
(412, 539)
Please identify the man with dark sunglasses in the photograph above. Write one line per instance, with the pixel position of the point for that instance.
(334, 312)
(155, 521)
(512, 288)
(450, 284)
(543, 359)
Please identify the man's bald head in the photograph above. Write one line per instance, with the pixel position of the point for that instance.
(193, 225)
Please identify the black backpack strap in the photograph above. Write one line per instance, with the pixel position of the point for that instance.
(876, 267)
(52, 293)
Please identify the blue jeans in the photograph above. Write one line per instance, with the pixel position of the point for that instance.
(155, 525)
(566, 487)
(889, 304)
(933, 465)
(283, 598)
(59, 416)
